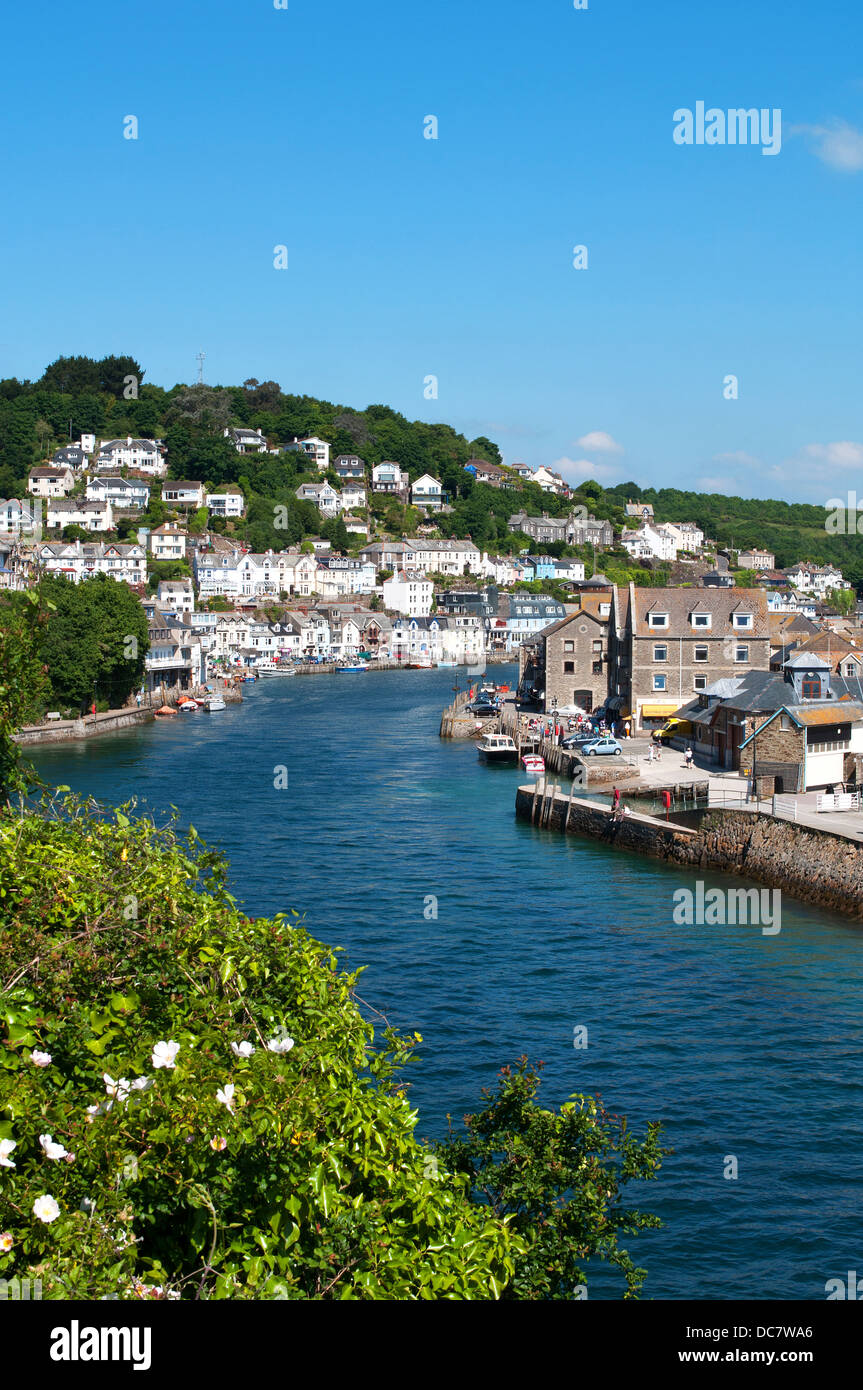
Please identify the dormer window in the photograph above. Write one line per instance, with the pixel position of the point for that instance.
(702, 620)
(743, 620)
(657, 620)
(811, 687)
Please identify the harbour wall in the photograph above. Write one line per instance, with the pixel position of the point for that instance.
(816, 866)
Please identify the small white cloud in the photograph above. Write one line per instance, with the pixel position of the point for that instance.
(838, 144)
(842, 453)
(599, 442)
(576, 470)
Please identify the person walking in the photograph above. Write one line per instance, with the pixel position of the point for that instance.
(687, 757)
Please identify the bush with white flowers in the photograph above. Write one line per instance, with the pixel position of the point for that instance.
(191, 1103)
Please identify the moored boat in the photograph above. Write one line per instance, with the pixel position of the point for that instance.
(268, 667)
(497, 748)
(533, 763)
(215, 702)
(347, 668)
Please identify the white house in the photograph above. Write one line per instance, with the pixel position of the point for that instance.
(120, 492)
(78, 560)
(92, 516)
(20, 518)
(408, 592)
(318, 450)
(443, 557)
(180, 492)
(338, 575)
(168, 542)
(247, 441)
(324, 497)
(427, 492)
(352, 495)
(389, 477)
(227, 502)
(50, 481)
(142, 454)
(549, 481)
(176, 595)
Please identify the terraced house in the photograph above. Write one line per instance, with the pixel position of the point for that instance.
(667, 645)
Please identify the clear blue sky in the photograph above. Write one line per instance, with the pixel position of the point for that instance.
(410, 257)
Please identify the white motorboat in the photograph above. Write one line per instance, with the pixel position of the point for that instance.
(533, 763)
(497, 748)
(215, 702)
(268, 667)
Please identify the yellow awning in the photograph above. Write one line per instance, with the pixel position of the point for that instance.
(659, 711)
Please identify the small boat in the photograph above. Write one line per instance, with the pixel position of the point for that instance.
(187, 706)
(351, 668)
(447, 665)
(533, 763)
(246, 679)
(497, 748)
(215, 702)
(273, 668)
(422, 663)
(164, 712)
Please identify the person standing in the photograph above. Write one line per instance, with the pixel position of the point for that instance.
(615, 801)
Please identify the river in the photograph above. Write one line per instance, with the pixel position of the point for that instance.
(741, 1043)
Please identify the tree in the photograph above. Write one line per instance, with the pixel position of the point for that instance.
(23, 681)
(94, 640)
(113, 374)
(558, 1178)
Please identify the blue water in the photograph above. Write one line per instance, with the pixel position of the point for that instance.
(740, 1043)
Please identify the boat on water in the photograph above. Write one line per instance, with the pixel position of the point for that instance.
(187, 706)
(215, 702)
(533, 763)
(268, 667)
(447, 665)
(497, 748)
(349, 668)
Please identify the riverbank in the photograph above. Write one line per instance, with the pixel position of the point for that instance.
(822, 867)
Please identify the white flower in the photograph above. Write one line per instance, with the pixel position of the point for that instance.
(280, 1044)
(46, 1209)
(52, 1150)
(142, 1083)
(119, 1089)
(243, 1049)
(40, 1059)
(6, 1147)
(6, 1242)
(226, 1097)
(164, 1054)
(218, 1142)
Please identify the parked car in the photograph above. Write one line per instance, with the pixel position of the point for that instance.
(578, 740)
(601, 747)
(483, 708)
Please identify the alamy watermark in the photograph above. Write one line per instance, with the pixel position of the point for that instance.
(739, 126)
(728, 907)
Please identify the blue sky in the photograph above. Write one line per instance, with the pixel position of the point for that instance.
(408, 257)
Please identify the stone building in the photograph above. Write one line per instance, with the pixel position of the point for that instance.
(667, 645)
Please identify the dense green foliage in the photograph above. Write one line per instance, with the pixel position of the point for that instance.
(135, 1166)
(24, 680)
(558, 1179)
(35, 419)
(93, 643)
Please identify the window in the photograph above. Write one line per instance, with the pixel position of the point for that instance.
(701, 620)
(657, 620)
(569, 646)
(597, 668)
(660, 652)
(699, 683)
(659, 682)
(597, 646)
(812, 688)
(568, 667)
(741, 653)
(743, 620)
(701, 653)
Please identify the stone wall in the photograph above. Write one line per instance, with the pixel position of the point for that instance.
(815, 866)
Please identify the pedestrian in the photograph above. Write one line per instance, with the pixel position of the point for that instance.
(615, 800)
(650, 753)
(688, 757)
